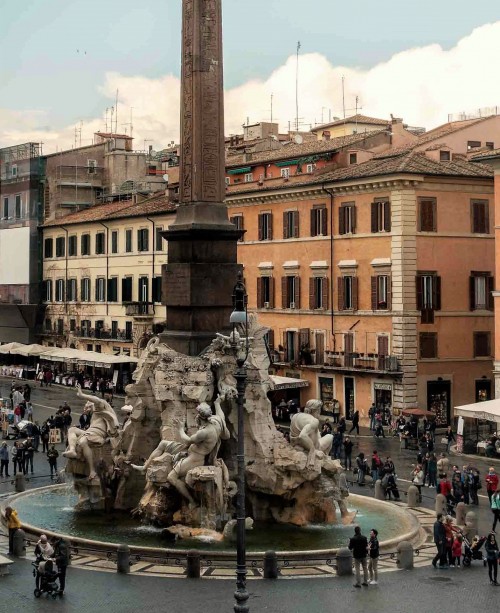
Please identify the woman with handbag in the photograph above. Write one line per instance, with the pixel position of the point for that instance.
(491, 547)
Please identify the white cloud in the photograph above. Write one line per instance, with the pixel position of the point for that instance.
(422, 85)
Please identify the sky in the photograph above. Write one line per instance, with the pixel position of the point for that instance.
(61, 62)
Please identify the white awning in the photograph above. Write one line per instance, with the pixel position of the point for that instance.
(66, 354)
(285, 383)
(8, 347)
(488, 410)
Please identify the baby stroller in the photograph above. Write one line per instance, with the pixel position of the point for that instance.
(472, 551)
(45, 578)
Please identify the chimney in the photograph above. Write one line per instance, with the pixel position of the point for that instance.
(326, 135)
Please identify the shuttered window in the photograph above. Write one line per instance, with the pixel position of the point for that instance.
(143, 239)
(127, 289)
(428, 345)
(381, 293)
(48, 250)
(100, 243)
(482, 344)
(265, 292)
(60, 247)
(265, 226)
(290, 292)
(72, 246)
(480, 216)
(85, 244)
(381, 216)
(347, 218)
(156, 289)
(348, 293)
(113, 289)
(481, 286)
(318, 293)
(238, 221)
(85, 289)
(319, 220)
(71, 290)
(291, 224)
(428, 287)
(427, 215)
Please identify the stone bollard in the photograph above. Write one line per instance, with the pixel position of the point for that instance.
(20, 482)
(440, 504)
(18, 543)
(379, 490)
(193, 568)
(471, 524)
(270, 565)
(344, 562)
(412, 498)
(123, 559)
(460, 512)
(405, 555)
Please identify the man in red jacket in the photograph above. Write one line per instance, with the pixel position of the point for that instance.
(491, 482)
(444, 487)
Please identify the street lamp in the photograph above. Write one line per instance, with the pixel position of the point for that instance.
(239, 316)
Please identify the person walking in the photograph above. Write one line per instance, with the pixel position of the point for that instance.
(337, 445)
(432, 470)
(440, 542)
(491, 547)
(355, 422)
(450, 437)
(44, 435)
(4, 460)
(474, 486)
(362, 466)
(373, 552)
(376, 465)
(495, 508)
(13, 524)
(61, 555)
(491, 482)
(371, 414)
(358, 544)
(443, 464)
(348, 445)
(417, 478)
(52, 456)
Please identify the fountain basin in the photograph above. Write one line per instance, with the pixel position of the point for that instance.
(50, 510)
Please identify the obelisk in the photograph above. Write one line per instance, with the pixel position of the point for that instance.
(202, 261)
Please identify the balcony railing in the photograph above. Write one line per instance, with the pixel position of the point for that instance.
(99, 333)
(349, 361)
(139, 309)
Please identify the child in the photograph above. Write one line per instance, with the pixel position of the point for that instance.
(456, 550)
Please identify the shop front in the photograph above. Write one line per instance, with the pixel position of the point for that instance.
(382, 397)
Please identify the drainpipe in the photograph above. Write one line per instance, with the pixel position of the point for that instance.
(153, 245)
(332, 196)
(107, 265)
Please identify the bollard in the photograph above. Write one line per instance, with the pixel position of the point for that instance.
(471, 524)
(379, 490)
(20, 482)
(18, 543)
(270, 565)
(413, 496)
(344, 562)
(460, 512)
(405, 555)
(123, 559)
(193, 568)
(441, 505)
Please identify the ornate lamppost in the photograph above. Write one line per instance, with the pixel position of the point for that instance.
(239, 316)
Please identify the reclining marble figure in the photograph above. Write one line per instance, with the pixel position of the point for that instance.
(103, 426)
(304, 432)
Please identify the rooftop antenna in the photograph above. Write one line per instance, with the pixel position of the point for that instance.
(272, 108)
(107, 109)
(343, 95)
(116, 113)
(112, 112)
(297, 89)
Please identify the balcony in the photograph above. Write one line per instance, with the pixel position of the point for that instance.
(102, 334)
(141, 310)
(78, 176)
(356, 362)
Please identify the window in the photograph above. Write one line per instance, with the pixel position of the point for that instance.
(128, 330)
(143, 289)
(428, 345)
(310, 168)
(290, 292)
(90, 347)
(353, 158)
(482, 344)
(347, 218)
(473, 144)
(60, 326)
(127, 289)
(48, 249)
(13, 170)
(47, 290)
(100, 289)
(48, 325)
(266, 226)
(91, 166)
(285, 173)
(427, 215)
(348, 293)
(291, 224)
(156, 289)
(265, 292)
(319, 220)
(100, 243)
(381, 216)
(151, 169)
(228, 180)
(114, 241)
(480, 217)
(85, 289)
(481, 286)
(381, 293)
(71, 290)
(237, 220)
(85, 244)
(318, 293)
(60, 290)
(490, 145)
(158, 238)
(72, 246)
(428, 295)
(142, 239)
(291, 346)
(98, 348)
(248, 177)
(18, 207)
(60, 247)
(128, 241)
(114, 329)
(444, 156)
(113, 289)
(5, 208)
(72, 325)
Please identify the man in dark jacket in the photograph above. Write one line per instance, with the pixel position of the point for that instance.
(61, 555)
(358, 544)
(355, 422)
(440, 541)
(29, 450)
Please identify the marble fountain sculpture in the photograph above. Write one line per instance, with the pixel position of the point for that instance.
(174, 461)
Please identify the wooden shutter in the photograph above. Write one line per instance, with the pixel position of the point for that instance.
(260, 301)
(383, 345)
(353, 218)
(324, 292)
(312, 301)
(296, 219)
(340, 292)
(314, 229)
(387, 216)
(427, 217)
(389, 293)
(324, 221)
(374, 217)
(270, 226)
(374, 294)
(296, 298)
(285, 225)
(472, 293)
(342, 220)
(419, 292)
(109, 289)
(436, 290)
(261, 229)
(304, 340)
(285, 345)
(124, 289)
(284, 292)
(271, 292)
(270, 338)
(355, 293)
(428, 344)
(490, 288)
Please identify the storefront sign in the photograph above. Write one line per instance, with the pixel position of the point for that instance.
(383, 386)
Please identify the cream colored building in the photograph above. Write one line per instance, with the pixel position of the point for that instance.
(102, 276)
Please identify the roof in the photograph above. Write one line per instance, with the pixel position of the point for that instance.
(113, 135)
(487, 154)
(116, 210)
(448, 128)
(364, 119)
(294, 150)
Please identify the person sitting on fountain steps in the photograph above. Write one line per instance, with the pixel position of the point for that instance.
(103, 425)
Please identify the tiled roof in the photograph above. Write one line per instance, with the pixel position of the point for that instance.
(373, 121)
(294, 150)
(486, 154)
(447, 128)
(116, 210)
